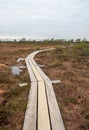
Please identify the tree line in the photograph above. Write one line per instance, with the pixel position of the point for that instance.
(84, 40)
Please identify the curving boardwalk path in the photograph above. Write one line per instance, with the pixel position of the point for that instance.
(42, 109)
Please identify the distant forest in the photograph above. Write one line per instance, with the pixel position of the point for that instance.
(52, 40)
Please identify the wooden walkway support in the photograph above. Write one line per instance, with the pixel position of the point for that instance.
(42, 109)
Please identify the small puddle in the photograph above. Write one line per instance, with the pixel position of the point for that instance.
(15, 70)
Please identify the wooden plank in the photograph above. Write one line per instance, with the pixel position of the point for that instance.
(30, 120)
(43, 115)
(44, 76)
(36, 73)
(43, 121)
(31, 111)
(55, 116)
(31, 74)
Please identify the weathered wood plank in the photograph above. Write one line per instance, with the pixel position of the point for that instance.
(47, 103)
(31, 74)
(30, 120)
(55, 116)
(31, 111)
(56, 119)
(36, 73)
(43, 115)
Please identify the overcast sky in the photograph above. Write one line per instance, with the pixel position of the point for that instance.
(44, 18)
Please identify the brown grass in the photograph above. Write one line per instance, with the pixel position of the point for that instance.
(13, 99)
(72, 68)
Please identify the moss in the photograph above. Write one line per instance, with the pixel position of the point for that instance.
(4, 78)
(4, 114)
(70, 100)
(85, 112)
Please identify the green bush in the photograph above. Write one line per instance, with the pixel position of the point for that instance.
(85, 52)
(82, 46)
(70, 100)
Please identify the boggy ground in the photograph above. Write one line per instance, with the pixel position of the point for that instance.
(13, 99)
(71, 66)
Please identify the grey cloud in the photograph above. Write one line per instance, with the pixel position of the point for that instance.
(44, 18)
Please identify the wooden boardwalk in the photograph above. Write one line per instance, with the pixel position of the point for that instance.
(42, 109)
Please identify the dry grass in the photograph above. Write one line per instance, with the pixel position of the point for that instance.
(13, 99)
(71, 66)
